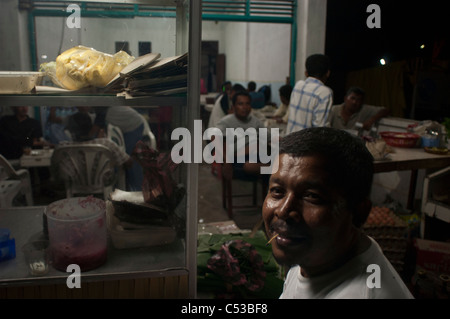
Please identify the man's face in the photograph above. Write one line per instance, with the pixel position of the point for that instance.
(353, 102)
(242, 107)
(302, 207)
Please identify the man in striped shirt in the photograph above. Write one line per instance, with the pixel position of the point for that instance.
(311, 99)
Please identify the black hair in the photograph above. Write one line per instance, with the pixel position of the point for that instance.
(348, 160)
(80, 125)
(317, 65)
(285, 91)
(251, 86)
(238, 87)
(239, 93)
(225, 84)
(356, 90)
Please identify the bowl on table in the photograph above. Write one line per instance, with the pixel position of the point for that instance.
(400, 139)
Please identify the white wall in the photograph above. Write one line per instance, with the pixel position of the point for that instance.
(101, 34)
(257, 52)
(14, 53)
(311, 21)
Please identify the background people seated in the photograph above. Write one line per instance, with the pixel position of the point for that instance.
(353, 110)
(258, 98)
(80, 126)
(18, 131)
(57, 123)
(222, 106)
(241, 118)
(281, 114)
(131, 123)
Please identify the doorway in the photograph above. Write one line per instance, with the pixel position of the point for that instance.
(212, 66)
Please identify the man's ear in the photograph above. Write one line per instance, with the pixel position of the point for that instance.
(362, 211)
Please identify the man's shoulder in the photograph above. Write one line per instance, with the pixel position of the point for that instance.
(337, 107)
(229, 118)
(312, 83)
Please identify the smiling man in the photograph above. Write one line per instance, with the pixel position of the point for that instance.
(317, 202)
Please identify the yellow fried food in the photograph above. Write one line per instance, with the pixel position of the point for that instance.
(81, 66)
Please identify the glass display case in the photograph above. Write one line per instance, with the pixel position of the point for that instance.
(168, 28)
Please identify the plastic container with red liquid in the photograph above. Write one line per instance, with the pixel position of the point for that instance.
(77, 232)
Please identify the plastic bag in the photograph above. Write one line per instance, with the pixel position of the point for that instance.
(378, 149)
(81, 66)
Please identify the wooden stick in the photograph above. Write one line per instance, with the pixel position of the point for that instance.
(271, 239)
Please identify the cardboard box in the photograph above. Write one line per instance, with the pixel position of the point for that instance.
(433, 255)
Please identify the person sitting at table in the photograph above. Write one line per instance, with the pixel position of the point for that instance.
(55, 130)
(258, 98)
(80, 126)
(241, 117)
(19, 131)
(222, 106)
(131, 123)
(353, 110)
(281, 114)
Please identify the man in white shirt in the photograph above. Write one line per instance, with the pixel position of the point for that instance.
(318, 199)
(311, 99)
(241, 118)
(222, 106)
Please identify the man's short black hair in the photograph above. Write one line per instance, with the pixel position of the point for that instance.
(348, 160)
(80, 125)
(238, 87)
(317, 65)
(285, 91)
(239, 93)
(356, 90)
(251, 86)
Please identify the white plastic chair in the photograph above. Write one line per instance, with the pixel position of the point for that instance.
(115, 134)
(9, 174)
(85, 169)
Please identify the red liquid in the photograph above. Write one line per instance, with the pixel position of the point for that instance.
(64, 256)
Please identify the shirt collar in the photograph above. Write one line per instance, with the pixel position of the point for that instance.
(313, 80)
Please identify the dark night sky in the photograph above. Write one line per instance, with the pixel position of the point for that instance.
(405, 25)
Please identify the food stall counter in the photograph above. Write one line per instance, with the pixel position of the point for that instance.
(134, 264)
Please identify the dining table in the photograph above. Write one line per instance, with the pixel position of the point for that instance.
(36, 158)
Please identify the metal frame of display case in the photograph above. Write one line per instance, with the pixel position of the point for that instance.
(187, 103)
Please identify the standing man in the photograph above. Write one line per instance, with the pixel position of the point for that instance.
(311, 99)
